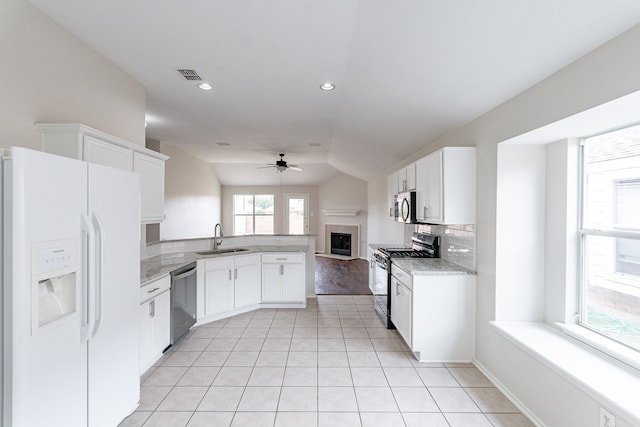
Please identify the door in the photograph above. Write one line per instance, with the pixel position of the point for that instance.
(44, 198)
(218, 286)
(293, 282)
(114, 208)
(247, 286)
(297, 213)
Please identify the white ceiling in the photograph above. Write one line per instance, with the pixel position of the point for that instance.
(406, 72)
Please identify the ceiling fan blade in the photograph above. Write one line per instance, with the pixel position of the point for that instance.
(266, 167)
(295, 168)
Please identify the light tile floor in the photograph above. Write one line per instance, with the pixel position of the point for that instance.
(332, 364)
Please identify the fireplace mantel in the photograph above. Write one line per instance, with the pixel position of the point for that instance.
(340, 212)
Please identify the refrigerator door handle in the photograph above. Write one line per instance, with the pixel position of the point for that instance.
(88, 278)
(99, 268)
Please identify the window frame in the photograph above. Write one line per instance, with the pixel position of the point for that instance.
(607, 343)
(253, 214)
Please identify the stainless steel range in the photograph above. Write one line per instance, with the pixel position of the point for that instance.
(422, 246)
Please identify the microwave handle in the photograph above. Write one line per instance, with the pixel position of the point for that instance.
(405, 212)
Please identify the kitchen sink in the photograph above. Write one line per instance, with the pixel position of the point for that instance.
(222, 251)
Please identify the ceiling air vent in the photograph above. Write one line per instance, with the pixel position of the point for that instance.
(189, 74)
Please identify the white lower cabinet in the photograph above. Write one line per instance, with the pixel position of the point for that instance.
(435, 314)
(283, 278)
(231, 282)
(402, 303)
(155, 321)
(247, 289)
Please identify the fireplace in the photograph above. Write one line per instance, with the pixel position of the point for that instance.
(353, 233)
(341, 244)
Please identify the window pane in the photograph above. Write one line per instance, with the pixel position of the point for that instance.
(243, 204)
(264, 204)
(611, 299)
(612, 180)
(243, 224)
(264, 224)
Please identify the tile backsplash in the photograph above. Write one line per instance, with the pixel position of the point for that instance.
(458, 243)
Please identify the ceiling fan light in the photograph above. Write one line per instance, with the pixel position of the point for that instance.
(327, 86)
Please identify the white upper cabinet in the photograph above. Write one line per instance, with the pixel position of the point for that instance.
(407, 178)
(446, 186)
(84, 143)
(392, 190)
(151, 171)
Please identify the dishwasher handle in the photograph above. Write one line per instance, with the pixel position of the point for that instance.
(184, 272)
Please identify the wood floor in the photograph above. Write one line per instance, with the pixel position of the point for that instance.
(342, 277)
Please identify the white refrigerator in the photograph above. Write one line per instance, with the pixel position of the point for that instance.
(70, 291)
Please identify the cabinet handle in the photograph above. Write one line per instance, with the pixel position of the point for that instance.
(152, 290)
(152, 308)
(235, 274)
(424, 211)
(281, 269)
(397, 288)
(229, 274)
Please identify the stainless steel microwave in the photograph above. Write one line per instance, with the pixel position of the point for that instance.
(406, 207)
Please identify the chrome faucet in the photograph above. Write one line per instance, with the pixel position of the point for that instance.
(217, 243)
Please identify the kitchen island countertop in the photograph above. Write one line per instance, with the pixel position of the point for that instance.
(155, 267)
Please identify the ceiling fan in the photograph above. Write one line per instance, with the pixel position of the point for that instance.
(281, 165)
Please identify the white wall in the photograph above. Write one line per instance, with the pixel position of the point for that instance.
(192, 196)
(607, 73)
(343, 192)
(49, 75)
(520, 220)
(279, 208)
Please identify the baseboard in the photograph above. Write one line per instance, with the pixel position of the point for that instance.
(516, 402)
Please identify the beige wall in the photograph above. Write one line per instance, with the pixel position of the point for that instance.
(192, 196)
(607, 73)
(278, 192)
(343, 192)
(49, 75)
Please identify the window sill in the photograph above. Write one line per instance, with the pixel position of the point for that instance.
(604, 378)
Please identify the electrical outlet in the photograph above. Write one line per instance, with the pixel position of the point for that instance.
(606, 419)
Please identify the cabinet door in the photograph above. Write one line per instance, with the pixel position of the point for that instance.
(247, 284)
(271, 282)
(401, 309)
(161, 323)
(422, 169)
(392, 190)
(106, 153)
(293, 282)
(151, 171)
(433, 189)
(410, 174)
(218, 286)
(145, 335)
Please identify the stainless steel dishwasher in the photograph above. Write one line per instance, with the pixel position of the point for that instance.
(183, 300)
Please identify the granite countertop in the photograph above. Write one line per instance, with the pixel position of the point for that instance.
(155, 267)
(429, 266)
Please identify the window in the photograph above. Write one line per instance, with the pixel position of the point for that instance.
(610, 235)
(253, 214)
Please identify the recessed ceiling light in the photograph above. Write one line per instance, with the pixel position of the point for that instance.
(327, 86)
(205, 86)
(223, 144)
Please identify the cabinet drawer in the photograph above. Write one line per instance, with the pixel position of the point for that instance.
(282, 258)
(155, 288)
(402, 276)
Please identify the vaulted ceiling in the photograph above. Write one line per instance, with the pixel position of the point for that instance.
(405, 72)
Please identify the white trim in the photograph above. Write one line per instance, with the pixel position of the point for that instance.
(340, 212)
(504, 390)
(598, 375)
